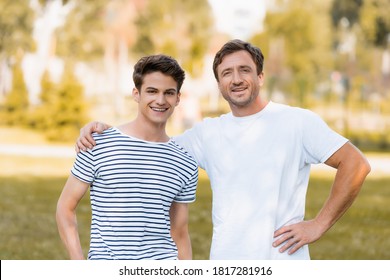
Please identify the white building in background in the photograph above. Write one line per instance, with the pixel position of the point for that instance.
(49, 17)
(239, 19)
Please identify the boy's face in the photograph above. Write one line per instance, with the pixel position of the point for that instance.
(158, 97)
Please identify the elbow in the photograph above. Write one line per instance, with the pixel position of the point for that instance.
(59, 212)
(365, 167)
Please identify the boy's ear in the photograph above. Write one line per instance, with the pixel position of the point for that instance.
(136, 94)
(178, 98)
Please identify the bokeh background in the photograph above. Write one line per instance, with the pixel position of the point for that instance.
(64, 63)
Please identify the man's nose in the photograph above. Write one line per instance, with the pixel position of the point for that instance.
(236, 79)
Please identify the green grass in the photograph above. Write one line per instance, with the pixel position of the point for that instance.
(28, 228)
(363, 232)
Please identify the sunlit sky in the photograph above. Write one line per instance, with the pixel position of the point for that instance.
(239, 18)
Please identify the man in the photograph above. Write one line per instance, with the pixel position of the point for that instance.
(140, 180)
(258, 160)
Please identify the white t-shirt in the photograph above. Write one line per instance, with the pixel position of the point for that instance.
(259, 169)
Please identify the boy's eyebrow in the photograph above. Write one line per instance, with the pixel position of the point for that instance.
(153, 88)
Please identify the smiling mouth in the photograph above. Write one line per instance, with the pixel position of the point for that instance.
(159, 109)
(238, 89)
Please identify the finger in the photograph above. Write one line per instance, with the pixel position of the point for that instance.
(86, 142)
(90, 141)
(290, 243)
(80, 146)
(296, 247)
(281, 231)
(77, 149)
(282, 239)
(100, 127)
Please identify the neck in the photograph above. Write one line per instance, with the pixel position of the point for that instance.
(256, 106)
(145, 131)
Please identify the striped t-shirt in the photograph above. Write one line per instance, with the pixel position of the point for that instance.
(133, 184)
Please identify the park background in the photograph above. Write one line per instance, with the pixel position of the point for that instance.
(64, 63)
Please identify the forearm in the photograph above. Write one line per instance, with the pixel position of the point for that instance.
(183, 243)
(179, 230)
(346, 186)
(68, 230)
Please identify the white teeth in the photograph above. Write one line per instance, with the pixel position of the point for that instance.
(159, 109)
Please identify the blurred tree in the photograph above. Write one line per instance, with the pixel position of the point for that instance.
(299, 34)
(15, 27)
(186, 26)
(348, 9)
(15, 37)
(43, 114)
(62, 111)
(375, 21)
(371, 15)
(15, 107)
(81, 37)
(70, 109)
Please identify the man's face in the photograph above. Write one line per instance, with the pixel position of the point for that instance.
(239, 82)
(158, 97)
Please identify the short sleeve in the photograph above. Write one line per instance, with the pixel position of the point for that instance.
(319, 140)
(188, 192)
(83, 167)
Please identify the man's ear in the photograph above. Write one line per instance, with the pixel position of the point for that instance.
(178, 98)
(261, 79)
(136, 95)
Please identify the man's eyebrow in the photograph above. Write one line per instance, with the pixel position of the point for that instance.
(239, 67)
(226, 69)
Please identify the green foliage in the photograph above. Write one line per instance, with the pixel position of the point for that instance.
(375, 21)
(61, 113)
(81, 38)
(371, 15)
(15, 108)
(15, 26)
(185, 25)
(299, 39)
(348, 9)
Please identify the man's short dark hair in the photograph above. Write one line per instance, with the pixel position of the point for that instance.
(235, 46)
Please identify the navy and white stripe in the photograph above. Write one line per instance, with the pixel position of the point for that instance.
(133, 184)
